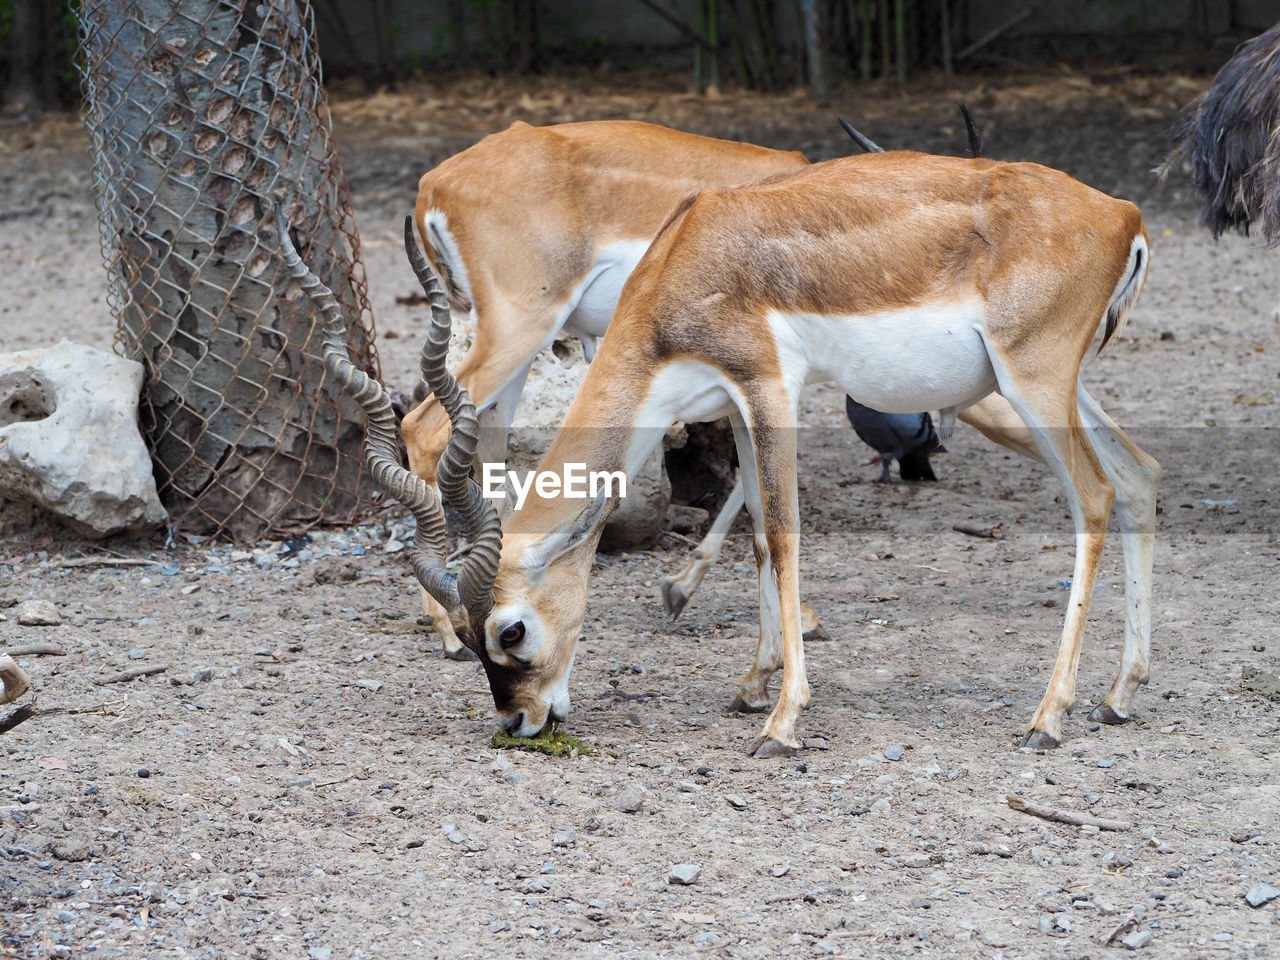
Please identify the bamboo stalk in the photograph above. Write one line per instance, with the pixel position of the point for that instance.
(900, 38)
(944, 10)
(713, 36)
(699, 54)
(864, 39)
(886, 58)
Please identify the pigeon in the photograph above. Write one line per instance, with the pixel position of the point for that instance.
(908, 438)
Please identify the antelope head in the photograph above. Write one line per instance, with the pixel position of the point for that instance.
(522, 624)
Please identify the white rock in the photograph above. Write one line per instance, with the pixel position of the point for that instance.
(38, 613)
(684, 874)
(69, 439)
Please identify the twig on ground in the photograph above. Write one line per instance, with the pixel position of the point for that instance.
(37, 650)
(1066, 816)
(810, 896)
(330, 783)
(104, 562)
(27, 711)
(133, 674)
(995, 532)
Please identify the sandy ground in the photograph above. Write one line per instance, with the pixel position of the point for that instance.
(308, 778)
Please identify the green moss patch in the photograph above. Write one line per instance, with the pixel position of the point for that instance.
(549, 741)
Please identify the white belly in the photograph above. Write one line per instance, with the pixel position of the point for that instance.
(590, 307)
(901, 361)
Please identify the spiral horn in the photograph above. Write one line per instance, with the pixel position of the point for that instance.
(381, 448)
(459, 490)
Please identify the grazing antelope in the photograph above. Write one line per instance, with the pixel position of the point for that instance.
(535, 230)
(914, 282)
(1231, 139)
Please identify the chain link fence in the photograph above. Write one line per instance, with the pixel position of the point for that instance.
(202, 115)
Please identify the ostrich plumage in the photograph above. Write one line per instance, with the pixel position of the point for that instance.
(1230, 137)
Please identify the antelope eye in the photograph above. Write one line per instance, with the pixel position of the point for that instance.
(511, 635)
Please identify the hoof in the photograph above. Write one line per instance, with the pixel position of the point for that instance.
(674, 598)
(816, 634)
(1103, 713)
(741, 706)
(766, 747)
(1039, 740)
(462, 653)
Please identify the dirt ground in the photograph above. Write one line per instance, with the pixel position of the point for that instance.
(309, 778)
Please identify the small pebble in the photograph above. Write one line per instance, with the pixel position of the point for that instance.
(735, 801)
(684, 874)
(630, 800)
(67, 916)
(1261, 893)
(204, 675)
(136, 654)
(1137, 940)
(38, 613)
(564, 838)
(893, 753)
(143, 772)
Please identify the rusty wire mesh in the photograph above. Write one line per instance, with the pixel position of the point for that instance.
(202, 114)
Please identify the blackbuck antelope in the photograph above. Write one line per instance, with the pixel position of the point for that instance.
(535, 230)
(914, 282)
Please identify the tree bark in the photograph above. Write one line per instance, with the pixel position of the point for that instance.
(200, 122)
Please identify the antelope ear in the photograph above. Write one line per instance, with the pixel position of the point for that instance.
(564, 538)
